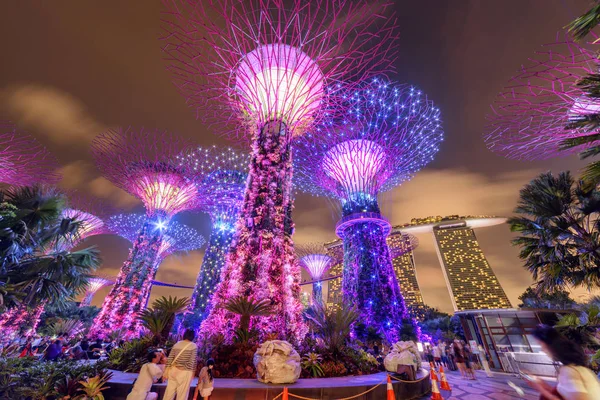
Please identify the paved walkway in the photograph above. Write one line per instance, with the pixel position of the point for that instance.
(484, 388)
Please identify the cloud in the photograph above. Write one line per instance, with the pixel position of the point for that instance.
(82, 176)
(51, 112)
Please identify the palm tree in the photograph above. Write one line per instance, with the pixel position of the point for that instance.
(159, 319)
(332, 326)
(558, 228)
(580, 28)
(247, 308)
(32, 270)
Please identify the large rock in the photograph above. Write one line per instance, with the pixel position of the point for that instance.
(276, 361)
(403, 353)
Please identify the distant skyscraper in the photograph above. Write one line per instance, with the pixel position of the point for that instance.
(401, 250)
(470, 279)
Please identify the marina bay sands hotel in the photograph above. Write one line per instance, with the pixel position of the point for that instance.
(470, 279)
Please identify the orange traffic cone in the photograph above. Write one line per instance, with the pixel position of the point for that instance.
(444, 385)
(390, 390)
(432, 365)
(285, 394)
(435, 392)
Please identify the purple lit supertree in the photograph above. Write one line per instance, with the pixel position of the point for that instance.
(262, 68)
(89, 213)
(94, 284)
(316, 262)
(177, 238)
(389, 133)
(143, 163)
(530, 115)
(23, 161)
(222, 189)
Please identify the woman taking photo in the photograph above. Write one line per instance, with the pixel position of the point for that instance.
(575, 380)
(205, 381)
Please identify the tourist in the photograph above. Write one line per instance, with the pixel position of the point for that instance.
(182, 366)
(205, 381)
(575, 380)
(444, 357)
(150, 373)
(459, 358)
(77, 354)
(437, 355)
(85, 344)
(428, 355)
(467, 354)
(27, 350)
(54, 351)
(97, 346)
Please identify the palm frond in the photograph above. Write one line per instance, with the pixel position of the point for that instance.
(584, 24)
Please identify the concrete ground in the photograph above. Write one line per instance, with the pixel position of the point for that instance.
(484, 388)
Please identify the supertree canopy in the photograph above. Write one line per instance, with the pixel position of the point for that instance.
(530, 116)
(94, 284)
(89, 214)
(388, 134)
(262, 69)
(225, 172)
(23, 161)
(144, 163)
(316, 262)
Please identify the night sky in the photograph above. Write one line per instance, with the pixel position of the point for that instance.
(71, 69)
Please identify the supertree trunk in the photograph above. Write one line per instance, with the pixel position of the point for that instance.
(87, 300)
(126, 298)
(317, 292)
(262, 264)
(210, 274)
(369, 280)
(14, 320)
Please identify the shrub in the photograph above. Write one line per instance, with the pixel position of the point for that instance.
(30, 378)
(131, 355)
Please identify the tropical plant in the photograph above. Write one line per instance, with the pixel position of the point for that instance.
(94, 386)
(159, 319)
(69, 311)
(67, 387)
(557, 299)
(558, 232)
(28, 378)
(581, 26)
(312, 364)
(589, 123)
(32, 268)
(247, 308)
(582, 327)
(332, 326)
(130, 356)
(67, 328)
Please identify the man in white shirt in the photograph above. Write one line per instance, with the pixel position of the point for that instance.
(150, 373)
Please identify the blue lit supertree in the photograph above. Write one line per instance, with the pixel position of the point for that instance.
(222, 189)
(316, 262)
(389, 133)
(177, 238)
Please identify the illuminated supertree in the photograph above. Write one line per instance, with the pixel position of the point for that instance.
(177, 238)
(222, 189)
(262, 70)
(23, 161)
(316, 262)
(143, 163)
(389, 133)
(530, 115)
(94, 284)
